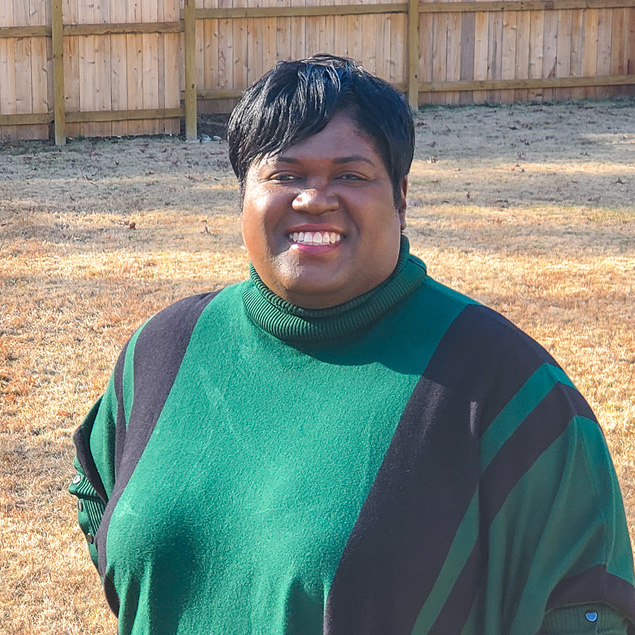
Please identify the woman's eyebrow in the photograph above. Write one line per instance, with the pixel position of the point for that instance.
(339, 160)
(353, 158)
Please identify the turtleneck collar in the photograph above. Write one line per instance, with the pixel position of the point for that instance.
(292, 323)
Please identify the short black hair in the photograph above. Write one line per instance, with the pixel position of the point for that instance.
(297, 99)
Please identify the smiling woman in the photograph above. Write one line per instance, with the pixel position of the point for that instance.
(340, 444)
(319, 220)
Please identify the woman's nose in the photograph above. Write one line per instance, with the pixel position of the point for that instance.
(315, 200)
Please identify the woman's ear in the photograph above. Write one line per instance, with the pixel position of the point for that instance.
(401, 208)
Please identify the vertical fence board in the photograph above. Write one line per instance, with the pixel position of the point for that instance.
(71, 66)
(453, 63)
(255, 44)
(412, 59)
(549, 50)
(59, 96)
(87, 82)
(172, 56)
(200, 62)
(340, 44)
(160, 123)
(119, 77)
(577, 50)
(590, 49)
(171, 66)
(151, 77)
(87, 44)
(508, 62)
(481, 35)
(605, 44)
(209, 77)
(523, 32)
(150, 48)
(283, 38)
(7, 71)
(426, 55)
(269, 51)
(7, 84)
(618, 46)
(239, 28)
(399, 30)
(42, 60)
(189, 45)
(103, 70)
(536, 54)
(453, 58)
(23, 92)
(42, 83)
(327, 35)
(369, 42)
(312, 25)
(383, 47)
(467, 54)
(119, 81)
(355, 36)
(22, 66)
(225, 55)
(134, 68)
(6, 14)
(439, 49)
(253, 66)
(495, 52)
(563, 54)
(630, 39)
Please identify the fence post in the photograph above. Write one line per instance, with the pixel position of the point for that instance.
(413, 53)
(190, 70)
(59, 105)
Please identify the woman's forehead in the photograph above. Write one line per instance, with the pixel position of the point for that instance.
(340, 141)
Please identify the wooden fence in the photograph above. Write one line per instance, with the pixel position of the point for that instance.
(120, 67)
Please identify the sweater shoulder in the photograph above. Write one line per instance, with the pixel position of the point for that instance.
(180, 318)
(479, 330)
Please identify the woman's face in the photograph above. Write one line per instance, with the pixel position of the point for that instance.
(319, 220)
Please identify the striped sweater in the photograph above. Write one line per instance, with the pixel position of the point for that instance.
(406, 463)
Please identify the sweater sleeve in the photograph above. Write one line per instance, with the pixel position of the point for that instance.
(562, 543)
(595, 594)
(591, 619)
(95, 444)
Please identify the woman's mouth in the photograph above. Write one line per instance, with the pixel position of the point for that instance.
(315, 238)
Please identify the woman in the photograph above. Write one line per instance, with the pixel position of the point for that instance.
(340, 444)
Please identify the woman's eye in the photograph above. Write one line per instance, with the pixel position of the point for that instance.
(284, 177)
(352, 177)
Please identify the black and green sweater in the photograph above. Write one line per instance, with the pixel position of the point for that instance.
(409, 462)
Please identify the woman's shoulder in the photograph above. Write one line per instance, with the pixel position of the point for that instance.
(182, 315)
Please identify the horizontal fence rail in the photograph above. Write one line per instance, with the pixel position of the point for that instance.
(141, 64)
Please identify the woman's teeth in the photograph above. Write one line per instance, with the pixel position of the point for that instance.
(315, 238)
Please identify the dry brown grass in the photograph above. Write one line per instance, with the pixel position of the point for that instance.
(530, 209)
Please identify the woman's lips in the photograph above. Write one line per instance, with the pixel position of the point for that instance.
(315, 237)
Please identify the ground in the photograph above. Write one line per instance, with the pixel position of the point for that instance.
(528, 208)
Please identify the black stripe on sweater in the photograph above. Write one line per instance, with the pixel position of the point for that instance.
(122, 424)
(487, 358)
(409, 518)
(538, 431)
(158, 353)
(85, 458)
(428, 477)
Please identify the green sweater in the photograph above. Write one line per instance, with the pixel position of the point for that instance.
(408, 462)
